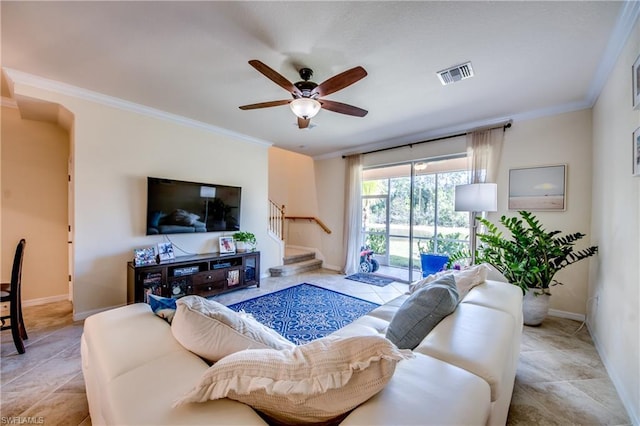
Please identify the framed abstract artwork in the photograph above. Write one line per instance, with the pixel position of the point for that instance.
(538, 188)
(636, 152)
(635, 70)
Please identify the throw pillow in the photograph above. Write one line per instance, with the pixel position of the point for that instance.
(315, 382)
(213, 331)
(466, 279)
(164, 307)
(422, 311)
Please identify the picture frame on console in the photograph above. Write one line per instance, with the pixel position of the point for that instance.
(227, 245)
(144, 256)
(165, 251)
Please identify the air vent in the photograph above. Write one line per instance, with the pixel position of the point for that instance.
(457, 73)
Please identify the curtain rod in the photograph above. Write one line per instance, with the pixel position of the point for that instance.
(504, 127)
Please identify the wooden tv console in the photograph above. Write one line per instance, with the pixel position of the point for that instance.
(202, 274)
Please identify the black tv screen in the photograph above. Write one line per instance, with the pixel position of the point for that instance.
(177, 207)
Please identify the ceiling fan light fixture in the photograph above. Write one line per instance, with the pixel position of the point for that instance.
(305, 107)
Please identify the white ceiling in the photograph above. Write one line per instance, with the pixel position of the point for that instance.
(190, 59)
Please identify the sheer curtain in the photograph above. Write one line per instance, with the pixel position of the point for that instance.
(484, 148)
(352, 214)
(483, 151)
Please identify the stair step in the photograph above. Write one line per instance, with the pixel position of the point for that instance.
(297, 256)
(295, 268)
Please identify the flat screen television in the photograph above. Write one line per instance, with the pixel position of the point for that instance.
(177, 207)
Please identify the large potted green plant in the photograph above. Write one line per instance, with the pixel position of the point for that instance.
(245, 241)
(530, 258)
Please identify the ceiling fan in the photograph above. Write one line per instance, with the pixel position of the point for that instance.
(307, 95)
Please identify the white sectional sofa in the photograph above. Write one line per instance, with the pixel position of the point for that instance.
(462, 373)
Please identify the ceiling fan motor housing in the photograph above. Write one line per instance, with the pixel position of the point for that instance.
(306, 88)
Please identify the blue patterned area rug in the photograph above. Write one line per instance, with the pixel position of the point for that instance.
(305, 312)
(368, 278)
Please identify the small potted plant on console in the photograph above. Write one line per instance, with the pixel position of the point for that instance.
(245, 241)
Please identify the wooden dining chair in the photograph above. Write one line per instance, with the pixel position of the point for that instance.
(10, 292)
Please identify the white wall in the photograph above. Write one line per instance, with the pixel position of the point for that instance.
(559, 139)
(34, 205)
(115, 149)
(292, 183)
(615, 281)
(331, 182)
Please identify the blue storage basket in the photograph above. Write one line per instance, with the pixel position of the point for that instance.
(432, 263)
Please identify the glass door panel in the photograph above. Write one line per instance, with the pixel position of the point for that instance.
(399, 229)
(374, 224)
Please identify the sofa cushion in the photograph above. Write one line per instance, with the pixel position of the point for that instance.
(213, 331)
(426, 391)
(466, 279)
(124, 338)
(315, 382)
(389, 309)
(422, 311)
(498, 295)
(481, 340)
(145, 395)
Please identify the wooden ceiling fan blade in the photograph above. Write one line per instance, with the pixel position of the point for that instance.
(265, 104)
(303, 123)
(340, 81)
(343, 108)
(274, 76)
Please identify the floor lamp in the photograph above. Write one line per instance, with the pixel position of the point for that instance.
(207, 192)
(476, 198)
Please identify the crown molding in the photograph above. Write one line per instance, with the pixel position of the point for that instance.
(629, 14)
(20, 77)
(459, 128)
(9, 102)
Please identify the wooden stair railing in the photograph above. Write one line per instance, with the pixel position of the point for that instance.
(320, 223)
(276, 219)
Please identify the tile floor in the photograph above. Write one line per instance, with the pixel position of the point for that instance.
(560, 378)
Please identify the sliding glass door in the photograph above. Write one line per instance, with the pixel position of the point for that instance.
(409, 208)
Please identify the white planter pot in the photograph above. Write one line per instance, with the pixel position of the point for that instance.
(241, 246)
(535, 308)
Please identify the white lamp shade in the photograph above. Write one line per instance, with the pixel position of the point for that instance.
(476, 197)
(305, 107)
(208, 192)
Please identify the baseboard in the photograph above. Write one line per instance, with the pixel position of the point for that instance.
(80, 316)
(45, 300)
(332, 268)
(617, 383)
(568, 315)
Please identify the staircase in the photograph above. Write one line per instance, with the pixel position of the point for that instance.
(295, 262)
